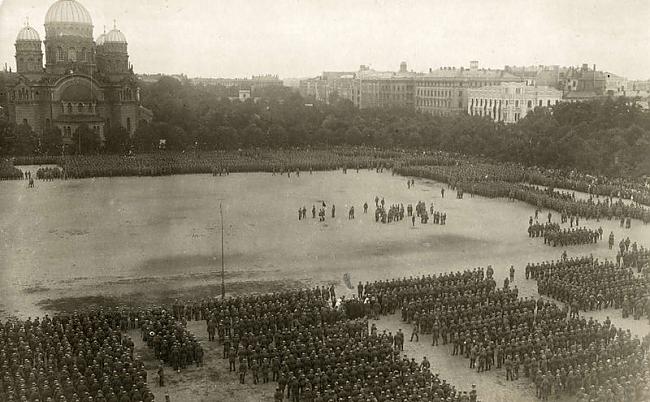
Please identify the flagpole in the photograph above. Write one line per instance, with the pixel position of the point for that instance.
(223, 285)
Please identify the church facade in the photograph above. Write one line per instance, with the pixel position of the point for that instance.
(70, 79)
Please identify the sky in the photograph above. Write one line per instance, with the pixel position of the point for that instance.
(302, 38)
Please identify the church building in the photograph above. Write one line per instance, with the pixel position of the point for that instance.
(81, 81)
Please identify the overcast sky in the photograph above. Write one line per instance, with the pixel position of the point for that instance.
(299, 38)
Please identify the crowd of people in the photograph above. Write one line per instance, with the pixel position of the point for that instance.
(507, 181)
(9, 172)
(315, 348)
(171, 342)
(571, 236)
(76, 357)
(495, 329)
(586, 284)
(49, 173)
(249, 160)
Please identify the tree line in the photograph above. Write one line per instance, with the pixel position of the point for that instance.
(609, 136)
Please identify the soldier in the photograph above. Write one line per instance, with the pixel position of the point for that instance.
(507, 364)
(278, 396)
(242, 372)
(435, 333)
(415, 332)
(266, 369)
(226, 346)
(275, 368)
(161, 375)
(232, 358)
(255, 369)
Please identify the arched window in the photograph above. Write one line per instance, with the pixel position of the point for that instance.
(68, 131)
(82, 56)
(128, 125)
(80, 107)
(47, 123)
(70, 108)
(530, 104)
(72, 54)
(59, 53)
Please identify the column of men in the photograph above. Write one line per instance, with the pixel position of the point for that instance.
(316, 352)
(494, 328)
(71, 357)
(585, 284)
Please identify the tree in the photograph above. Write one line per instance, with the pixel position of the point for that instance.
(252, 136)
(144, 139)
(85, 140)
(25, 140)
(52, 141)
(117, 140)
(278, 136)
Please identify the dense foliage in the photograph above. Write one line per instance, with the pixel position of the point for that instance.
(604, 137)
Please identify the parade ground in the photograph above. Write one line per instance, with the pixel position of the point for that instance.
(143, 241)
(151, 240)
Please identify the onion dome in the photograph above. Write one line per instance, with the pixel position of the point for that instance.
(68, 12)
(101, 39)
(115, 36)
(28, 34)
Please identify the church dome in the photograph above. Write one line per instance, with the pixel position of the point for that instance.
(101, 39)
(115, 36)
(69, 12)
(28, 34)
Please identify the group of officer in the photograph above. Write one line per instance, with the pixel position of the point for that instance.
(171, 342)
(79, 357)
(572, 237)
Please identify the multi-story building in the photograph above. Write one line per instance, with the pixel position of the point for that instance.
(84, 82)
(386, 88)
(254, 83)
(323, 87)
(443, 92)
(510, 101)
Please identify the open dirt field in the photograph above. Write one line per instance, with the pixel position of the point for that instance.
(150, 240)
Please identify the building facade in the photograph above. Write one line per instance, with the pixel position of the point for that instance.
(254, 83)
(444, 92)
(76, 80)
(511, 101)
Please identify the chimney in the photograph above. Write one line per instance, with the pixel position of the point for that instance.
(402, 67)
(430, 70)
(594, 68)
(473, 65)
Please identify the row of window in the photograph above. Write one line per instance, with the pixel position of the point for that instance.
(434, 102)
(29, 64)
(69, 54)
(456, 83)
(496, 114)
(67, 130)
(79, 108)
(23, 94)
(436, 92)
(479, 102)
